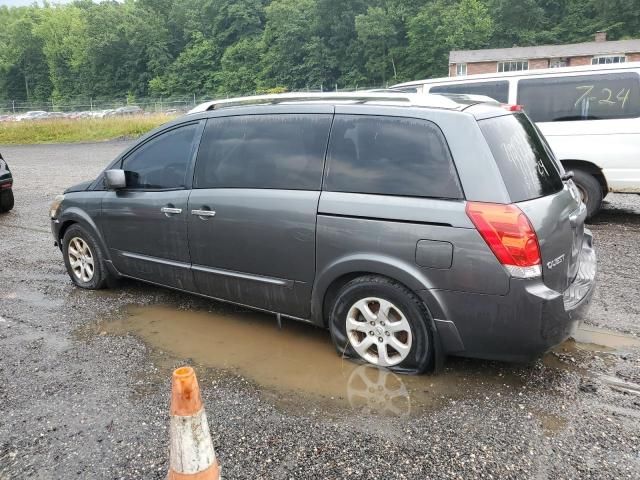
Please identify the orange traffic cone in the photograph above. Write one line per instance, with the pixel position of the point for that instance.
(191, 454)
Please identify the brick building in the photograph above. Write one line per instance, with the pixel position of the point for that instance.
(600, 51)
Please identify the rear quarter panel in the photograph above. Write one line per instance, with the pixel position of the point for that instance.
(380, 234)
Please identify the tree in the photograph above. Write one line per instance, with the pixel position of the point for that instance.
(63, 32)
(378, 37)
(23, 70)
(444, 26)
(240, 68)
(118, 48)
(193, 72)
(285, 43)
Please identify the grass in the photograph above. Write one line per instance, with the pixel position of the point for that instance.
(64, 130)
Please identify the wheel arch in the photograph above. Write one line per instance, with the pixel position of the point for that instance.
(76, 216)
(589, 167)
(336, 275)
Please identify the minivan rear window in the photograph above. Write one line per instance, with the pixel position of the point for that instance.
(582, 97)
(390, 156)
(527, 169)
(497, 90)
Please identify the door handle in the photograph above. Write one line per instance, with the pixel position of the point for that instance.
(171, 210)
(203, 213)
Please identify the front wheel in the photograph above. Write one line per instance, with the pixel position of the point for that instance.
(84, 259)
(380, 321)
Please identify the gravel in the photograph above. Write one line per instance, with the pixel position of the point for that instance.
(78, 403)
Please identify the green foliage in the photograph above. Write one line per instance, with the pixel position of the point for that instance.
(285, 40)
(137, 48)
(240, 67)
(443, 26)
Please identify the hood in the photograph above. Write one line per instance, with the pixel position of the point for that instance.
(80, 187)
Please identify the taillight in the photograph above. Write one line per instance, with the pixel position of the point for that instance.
(512, 108)
(510, 236)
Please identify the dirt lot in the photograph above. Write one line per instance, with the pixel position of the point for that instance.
(84, 376)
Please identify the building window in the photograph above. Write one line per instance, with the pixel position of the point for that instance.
(606, 59)
(558, 63)
(461, 69)
(513, 66)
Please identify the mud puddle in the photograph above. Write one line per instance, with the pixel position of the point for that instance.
(589, 341)
(599, 339)
(300, 360)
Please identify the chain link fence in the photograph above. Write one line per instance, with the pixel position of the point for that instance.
(90, 107)
(152, 105)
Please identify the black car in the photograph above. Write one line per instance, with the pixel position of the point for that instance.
(6, 183)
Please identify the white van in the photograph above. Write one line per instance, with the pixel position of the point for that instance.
(589, 115)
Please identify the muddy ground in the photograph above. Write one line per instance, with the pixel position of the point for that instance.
(84, 376)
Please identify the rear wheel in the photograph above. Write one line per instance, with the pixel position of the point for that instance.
(383, 323)
(590, 191)
(6, 200)
(84, 259)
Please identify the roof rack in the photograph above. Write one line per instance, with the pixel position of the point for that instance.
(409, 99)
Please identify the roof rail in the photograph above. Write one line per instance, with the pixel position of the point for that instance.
(410, 99)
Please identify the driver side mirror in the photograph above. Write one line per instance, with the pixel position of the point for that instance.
(115, 179)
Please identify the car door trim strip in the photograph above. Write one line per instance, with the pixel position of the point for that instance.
(244, 276)
(214, 271)
(163, 261)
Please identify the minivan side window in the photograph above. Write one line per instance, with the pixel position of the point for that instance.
(161, 163)
(582, 97)
(274, 151)
(497, 90)
(390, 156)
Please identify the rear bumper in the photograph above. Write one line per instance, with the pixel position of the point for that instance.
(522, 324)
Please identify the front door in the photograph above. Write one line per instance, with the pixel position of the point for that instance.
(252, 211)
(145, 224)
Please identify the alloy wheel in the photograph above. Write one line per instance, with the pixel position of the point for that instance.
(81, 259)
(378, 331)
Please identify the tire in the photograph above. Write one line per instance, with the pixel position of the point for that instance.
(351, 329)
(590, 189)
(6, 200)
(75, 238)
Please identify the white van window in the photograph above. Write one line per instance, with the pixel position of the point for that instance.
(497, 90)
(582, 97)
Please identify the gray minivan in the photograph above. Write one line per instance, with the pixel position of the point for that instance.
(412, 227)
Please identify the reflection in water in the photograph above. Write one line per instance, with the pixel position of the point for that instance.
(298, 365)
(377, 391)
